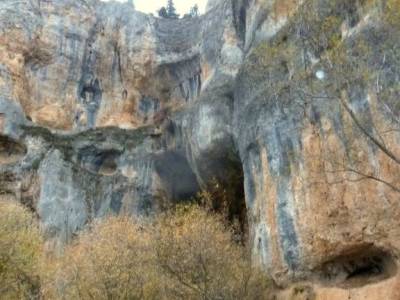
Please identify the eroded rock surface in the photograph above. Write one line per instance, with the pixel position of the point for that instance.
(104, 110)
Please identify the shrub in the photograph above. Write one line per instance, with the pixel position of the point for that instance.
(392, 13)
(20, 252)
(187, 253)
(111, 260)
(199, 260)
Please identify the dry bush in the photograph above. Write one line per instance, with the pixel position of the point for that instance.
(227, 200)
(187, 253)
(392, 13)
(112, 260)
(199, 260)
(20, 252)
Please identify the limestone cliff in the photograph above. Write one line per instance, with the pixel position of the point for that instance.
(104, 109)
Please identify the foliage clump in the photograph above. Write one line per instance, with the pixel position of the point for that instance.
(168, 12)
(20, 252)
(111, 260)
(185, 253)
(199, 259)
(392, 13)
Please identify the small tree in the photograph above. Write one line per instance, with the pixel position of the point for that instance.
(168, 12)
(171, 10)
(162, 12)
(112, 260)
(198, 258)
(194, 11)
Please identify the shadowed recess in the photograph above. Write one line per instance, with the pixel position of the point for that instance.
(11, 151)
(98, 161)
(359, 267)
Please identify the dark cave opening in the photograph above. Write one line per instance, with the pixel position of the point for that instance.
(363, 266)
(99, 161)
(90, 95)
(11, 151)
(223, 192)
(177, 176)
(240, 18)
(226, 196)
(108, 164)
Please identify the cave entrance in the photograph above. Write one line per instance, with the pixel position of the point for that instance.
(98, 161)
(361, 266)
(11, 151)
(226, 196)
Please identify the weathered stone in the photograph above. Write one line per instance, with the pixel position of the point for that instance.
(104, 110)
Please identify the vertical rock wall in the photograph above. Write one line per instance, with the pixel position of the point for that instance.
(104, 110)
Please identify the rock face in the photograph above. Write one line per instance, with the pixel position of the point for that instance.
(106, 110)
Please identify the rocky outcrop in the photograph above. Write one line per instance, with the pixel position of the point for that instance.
(104, 110)
(321, 170)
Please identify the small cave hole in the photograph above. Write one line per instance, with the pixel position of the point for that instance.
(109, 166)
(99, 162)
(242, 23)
(11, 151)
(352, 15)
(359, 268)
(240, 18)
(124, 94)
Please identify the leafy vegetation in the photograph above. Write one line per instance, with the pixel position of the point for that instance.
(168, 12)
(392, 13)
(185, 253)
(199, 260)
(111, 260)
(20, 252)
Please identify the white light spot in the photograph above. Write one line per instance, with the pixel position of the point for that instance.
(320, 74)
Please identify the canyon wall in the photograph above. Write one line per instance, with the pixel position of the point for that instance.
(105, 110)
